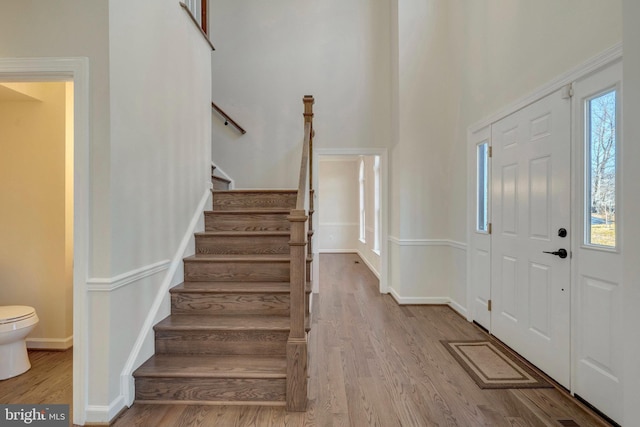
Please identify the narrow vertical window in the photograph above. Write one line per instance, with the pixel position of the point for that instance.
(482, 214)
(362, 204)
(600, 191)
(198, 9)
(376, 204)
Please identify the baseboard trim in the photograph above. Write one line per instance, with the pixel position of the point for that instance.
(418, 300)
(366, 261)
(124, 279)
(428, 301)
(59, 344)
(337, 251)
(97, 414)
(459, 308)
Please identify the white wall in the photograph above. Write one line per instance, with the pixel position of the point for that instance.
(72, 28)
(150, 121)
(422, 123)
(631, 200)
(34, 262)
(437, 67)
(160, 86)
(75, 28)
(269, 54)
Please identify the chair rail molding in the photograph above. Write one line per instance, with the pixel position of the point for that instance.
(124, 279)
(428, 242)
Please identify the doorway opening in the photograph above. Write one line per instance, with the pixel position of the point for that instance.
(351, 186)
(36, 181)
(46, 145)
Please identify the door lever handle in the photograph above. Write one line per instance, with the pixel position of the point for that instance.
(562, 253)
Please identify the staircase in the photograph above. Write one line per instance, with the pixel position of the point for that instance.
(237, 332)
(225, 341)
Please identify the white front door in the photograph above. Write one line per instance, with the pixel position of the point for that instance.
(530, 207)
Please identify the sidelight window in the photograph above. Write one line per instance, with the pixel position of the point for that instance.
(601, 159)
(482, 191)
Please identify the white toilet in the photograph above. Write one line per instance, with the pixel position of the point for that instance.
(16, 321)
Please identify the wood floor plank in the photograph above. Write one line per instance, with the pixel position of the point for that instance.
(373, 362)
(48, 380)
(556, 407)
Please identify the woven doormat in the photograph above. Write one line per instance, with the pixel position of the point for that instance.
(492, 367)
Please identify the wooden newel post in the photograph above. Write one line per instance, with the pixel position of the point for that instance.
(297, 342)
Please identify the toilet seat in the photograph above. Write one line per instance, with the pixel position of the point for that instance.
(15, 313)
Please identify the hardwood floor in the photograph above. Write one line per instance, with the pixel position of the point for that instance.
(375, 363)
(372, 362)
(49, 381)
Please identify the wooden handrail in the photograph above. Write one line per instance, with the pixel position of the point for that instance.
(308, 101)
(227, 118)
(195, 21)
(303, 184)
(300, 223)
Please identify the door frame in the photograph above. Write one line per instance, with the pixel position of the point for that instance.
(474, 131)
(384, 206)
(75, 70)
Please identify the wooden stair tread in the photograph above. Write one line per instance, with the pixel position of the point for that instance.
(227, 322)
(254, 210)
(242, 233)
(241, 258)
(260, 191)
(269, 211)
(238, 258)
(213, 366)
(235, 287)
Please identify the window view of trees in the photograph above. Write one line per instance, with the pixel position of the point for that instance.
(482, 223)
(602, 170)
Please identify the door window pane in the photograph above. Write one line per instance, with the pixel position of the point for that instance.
(482, 190)
(600, 180)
